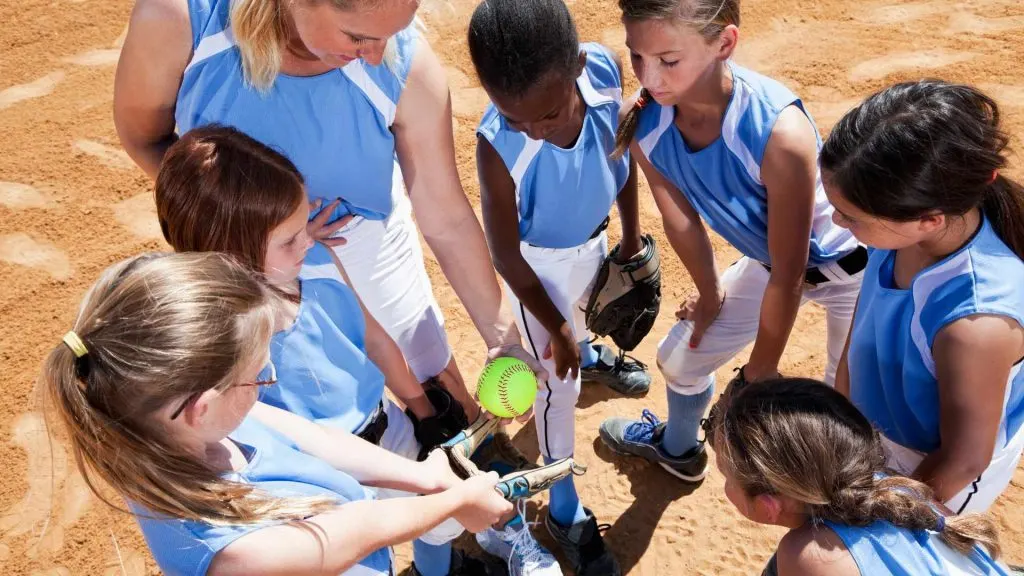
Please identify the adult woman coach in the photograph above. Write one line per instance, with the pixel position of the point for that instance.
(358, 101)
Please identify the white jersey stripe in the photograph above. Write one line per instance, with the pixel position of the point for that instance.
(647, 143)
(358, 75)
(923, 288)
(730, 131)
(211, 46)
(526, 156)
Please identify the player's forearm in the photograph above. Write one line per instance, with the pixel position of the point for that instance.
(778, 314)
(388, 357)
(462, 253)
(629, 215)
(148, 155)
(949, 471)
(693, 246)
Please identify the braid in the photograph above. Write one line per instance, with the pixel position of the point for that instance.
(627, 128)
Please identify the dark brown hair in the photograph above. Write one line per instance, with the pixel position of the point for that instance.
(708, 17)
(920, 147)
(801, 439)
(219, 190)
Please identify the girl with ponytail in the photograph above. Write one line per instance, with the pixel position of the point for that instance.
(156, 386)
(726, 148)
(795, 453)
(934, 356)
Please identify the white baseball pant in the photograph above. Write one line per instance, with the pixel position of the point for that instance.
(568, 276)
(690, 371)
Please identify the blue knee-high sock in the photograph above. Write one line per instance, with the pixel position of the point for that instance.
(432, 560)
(684, 415)
(588, 356)
(564, 503)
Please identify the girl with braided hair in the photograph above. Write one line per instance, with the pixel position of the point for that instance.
(796, 453)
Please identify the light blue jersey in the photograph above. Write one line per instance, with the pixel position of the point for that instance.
(277, 467)
(892, 371)
(882, 549)
(322, 370)
(335, 127)
(723, 181)
(563, 194)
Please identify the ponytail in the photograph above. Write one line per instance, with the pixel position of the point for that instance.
(907, 503)
(1003, 205)
(628, 126)
(155, 330)
(259, 32)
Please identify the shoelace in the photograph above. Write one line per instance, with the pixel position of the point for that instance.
(642, 431)
(530, 548)
(635, 366)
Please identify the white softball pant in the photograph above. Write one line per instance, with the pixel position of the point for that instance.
(384, 261)
(399, 438)
(980, 494)
(691, 371)
(568, 276)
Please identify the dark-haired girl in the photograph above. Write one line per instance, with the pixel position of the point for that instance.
(727, 148)
(795, 453)
(935, 352)
(548, 181)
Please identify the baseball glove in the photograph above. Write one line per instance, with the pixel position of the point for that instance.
(626, 297)
(448, 421)
(515, 486)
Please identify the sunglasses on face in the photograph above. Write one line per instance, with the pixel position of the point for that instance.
(195, 395)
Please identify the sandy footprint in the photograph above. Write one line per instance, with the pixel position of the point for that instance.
(138, 215)
(20, 196)
(107, 155)
(1005, 94)
(19, 248)
(119, 41)
(126, 561)
(965, 23)
(54, 571)
(900, 61)
(35, 89)
(904, 12)
(98, 57)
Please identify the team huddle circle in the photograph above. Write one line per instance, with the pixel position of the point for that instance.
(278, 393)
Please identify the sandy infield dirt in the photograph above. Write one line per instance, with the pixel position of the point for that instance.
(71, 203)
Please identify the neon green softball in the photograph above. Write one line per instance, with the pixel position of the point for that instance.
(507, 387)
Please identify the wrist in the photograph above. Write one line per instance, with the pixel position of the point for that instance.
(420, 406)
(755, 371)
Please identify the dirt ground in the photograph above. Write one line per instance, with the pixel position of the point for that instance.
(71, 202)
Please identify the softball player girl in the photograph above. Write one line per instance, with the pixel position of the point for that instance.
(934, 358)
(795, 453)
(220, 190)
(547, 184)
(156, 386)
(350, 93)
(725, 145)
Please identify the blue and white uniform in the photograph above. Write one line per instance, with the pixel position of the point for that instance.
(892, 371)
(563, 196)
(723, 183)
(882, 549)
(336, 128)
(275, 466)
(324, 375)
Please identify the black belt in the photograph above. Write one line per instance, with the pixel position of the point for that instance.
(853, 263)
(374, 429)
(597, 231)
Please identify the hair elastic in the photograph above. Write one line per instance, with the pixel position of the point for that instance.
(940, 524)
(74, 342)
(995, 176)
(641, 101)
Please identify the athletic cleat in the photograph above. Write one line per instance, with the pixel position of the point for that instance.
(584, 546)
(643, 438)
(521, 551)
(463, 565)
(624, 374)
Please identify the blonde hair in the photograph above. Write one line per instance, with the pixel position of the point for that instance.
(258, 29)
(801, 439)
(158, 329)
(708, 17)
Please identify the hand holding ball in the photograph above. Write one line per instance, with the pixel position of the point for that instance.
(507, 387)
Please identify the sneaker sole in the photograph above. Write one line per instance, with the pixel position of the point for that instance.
(684, 477)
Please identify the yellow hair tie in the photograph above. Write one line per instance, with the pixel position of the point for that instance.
(75, 344)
